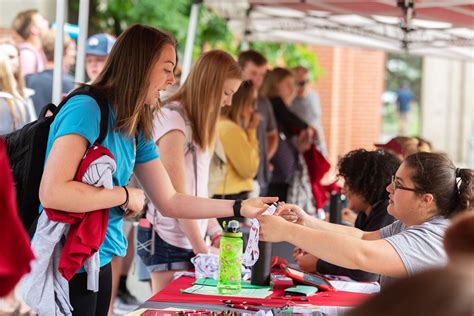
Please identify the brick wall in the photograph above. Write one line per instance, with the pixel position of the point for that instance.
(350, 92)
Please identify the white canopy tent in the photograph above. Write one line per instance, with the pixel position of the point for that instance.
(423, 27)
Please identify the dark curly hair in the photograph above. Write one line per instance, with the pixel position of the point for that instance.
(368, 173)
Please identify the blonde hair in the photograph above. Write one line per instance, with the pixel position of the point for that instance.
(126, 77)
(202, 91)
(8, 84)
(20, 80)
(48, 41)
(243, 98)
(272, 79)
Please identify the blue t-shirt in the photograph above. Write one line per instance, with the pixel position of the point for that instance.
(81, 115)
(404, 97)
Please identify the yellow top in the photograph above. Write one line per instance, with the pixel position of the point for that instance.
(241, 151)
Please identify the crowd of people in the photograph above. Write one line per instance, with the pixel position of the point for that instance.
(234, 137)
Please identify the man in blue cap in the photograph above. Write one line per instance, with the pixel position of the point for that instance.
(97, 50)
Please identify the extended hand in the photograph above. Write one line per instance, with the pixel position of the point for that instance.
(292, 213)
(307, 262)
(272, 228)
(251, 207)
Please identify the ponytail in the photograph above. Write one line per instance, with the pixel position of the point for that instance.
(464, 185)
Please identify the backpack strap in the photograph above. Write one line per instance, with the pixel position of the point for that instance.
(101, 100)
(189, 146)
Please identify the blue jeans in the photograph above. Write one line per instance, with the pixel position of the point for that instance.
(165, 257)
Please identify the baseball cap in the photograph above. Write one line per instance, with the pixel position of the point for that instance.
(392, 145)
(100, 44)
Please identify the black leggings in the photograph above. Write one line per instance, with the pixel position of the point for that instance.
(88, 303)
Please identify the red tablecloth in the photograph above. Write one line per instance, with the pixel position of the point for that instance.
(172, 294)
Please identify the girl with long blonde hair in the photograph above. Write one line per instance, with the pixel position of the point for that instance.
(8, 47)
(10, 50)
(13, 113)
(184, 132)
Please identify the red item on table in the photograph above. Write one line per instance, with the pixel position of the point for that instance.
(15, 249)
(87, 231)
(172, 294)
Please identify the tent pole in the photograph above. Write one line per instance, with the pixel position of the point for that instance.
(188, 50)
(244, 45)
(58, 51)
(81, 40)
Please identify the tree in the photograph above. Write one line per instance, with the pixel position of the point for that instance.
(114, 16)
(290, 55)
(404, 68)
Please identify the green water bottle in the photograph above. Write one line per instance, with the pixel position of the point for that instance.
(230, 259)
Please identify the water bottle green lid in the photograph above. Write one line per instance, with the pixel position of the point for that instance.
(232, 229)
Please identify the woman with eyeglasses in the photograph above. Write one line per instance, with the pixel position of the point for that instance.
(425, 192)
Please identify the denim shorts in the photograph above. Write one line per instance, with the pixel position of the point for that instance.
(165, 257)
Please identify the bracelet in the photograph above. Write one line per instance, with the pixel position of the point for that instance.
(124, 206)
(236, 207)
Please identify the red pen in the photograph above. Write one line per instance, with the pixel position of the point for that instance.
(242, 306)
(291, 298)
(242, 302)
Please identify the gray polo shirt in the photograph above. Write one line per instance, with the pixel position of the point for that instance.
(419, 246)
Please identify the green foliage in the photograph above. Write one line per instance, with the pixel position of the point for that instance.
(114, 16)
(404, 68)
(172, 15)
(290, 55)
(400, 68)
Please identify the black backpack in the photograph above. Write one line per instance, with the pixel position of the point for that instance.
(26, 150)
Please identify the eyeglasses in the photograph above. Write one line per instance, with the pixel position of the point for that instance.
(301, 83)
(398, 186)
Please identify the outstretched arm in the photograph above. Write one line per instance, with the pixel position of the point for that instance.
(376, 256)
(295, 214)
(157, 184)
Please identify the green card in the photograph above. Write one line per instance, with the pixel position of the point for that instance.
(301, 290)
(212, 290)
